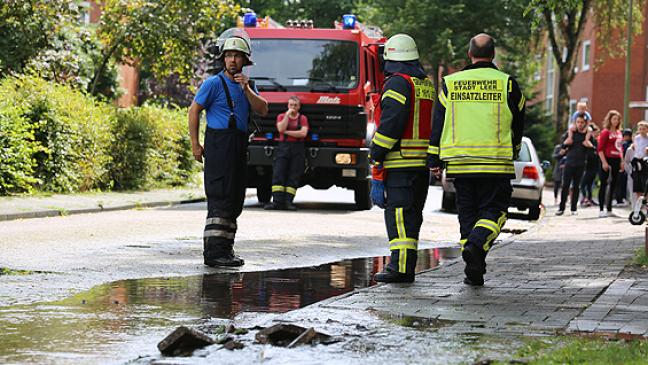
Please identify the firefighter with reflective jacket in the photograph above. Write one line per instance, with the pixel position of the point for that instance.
(477, 132)
(400, 177)
(228, 98)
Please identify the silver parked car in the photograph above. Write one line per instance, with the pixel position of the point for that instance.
(527, 186)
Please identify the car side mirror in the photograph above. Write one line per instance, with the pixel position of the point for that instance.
(545, 165)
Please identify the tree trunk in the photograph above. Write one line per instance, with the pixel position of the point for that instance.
(101, 68)
(562, 114)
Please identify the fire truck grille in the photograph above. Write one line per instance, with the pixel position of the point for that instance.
(328, 121)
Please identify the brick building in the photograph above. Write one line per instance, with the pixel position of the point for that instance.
(601, 84)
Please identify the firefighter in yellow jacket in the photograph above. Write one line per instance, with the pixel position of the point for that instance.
(399, 152)
(476, 134)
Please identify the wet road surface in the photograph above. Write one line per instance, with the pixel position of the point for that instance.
(123, 320)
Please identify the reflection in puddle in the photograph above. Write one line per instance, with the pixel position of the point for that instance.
(416, 322)
(115, 322)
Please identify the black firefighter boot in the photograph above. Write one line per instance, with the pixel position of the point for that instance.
(475, 259)
(277, 201)
(220, 254)
(289, 202)
(391, 274)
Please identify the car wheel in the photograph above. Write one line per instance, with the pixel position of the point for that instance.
(534, 211)
(448, 203)
(638, 219)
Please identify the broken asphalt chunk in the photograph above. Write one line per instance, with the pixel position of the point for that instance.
(288, 335)
(233, 345)
(183, 341)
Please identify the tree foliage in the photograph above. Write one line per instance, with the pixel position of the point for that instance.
(28, 27)
(44, 39)
(162, 37)
(323, 13)
(442, 28)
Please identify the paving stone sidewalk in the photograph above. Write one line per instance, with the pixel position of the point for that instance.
(63, 204)
(562, 276)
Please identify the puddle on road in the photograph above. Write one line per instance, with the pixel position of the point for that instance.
(420, 323)
(120, 321)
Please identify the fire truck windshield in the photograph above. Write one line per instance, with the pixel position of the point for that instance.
(304, 65)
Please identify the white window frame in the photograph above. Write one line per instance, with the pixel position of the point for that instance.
(85, 8)
(550, 82)
(572, 107)
(587, 54)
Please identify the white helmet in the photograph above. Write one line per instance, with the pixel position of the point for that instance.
(401, 47)
(235, 39)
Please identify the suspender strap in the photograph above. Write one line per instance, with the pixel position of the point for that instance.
(230, 103)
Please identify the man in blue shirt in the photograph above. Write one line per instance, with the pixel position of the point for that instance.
(227, 98)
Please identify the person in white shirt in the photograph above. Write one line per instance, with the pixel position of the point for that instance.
(634, 157)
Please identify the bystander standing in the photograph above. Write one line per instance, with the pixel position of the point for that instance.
(576, 145)
(592, 166)
(609, 151)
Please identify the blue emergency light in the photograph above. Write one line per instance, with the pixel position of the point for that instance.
(250, 20)
(348, 21)
(269, 136)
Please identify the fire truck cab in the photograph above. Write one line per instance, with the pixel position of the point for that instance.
(337, 75)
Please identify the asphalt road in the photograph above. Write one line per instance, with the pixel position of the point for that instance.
(75, 253)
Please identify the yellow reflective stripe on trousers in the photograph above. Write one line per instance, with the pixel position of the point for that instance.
(462, 243)
(278, 188)
(433, 150)
(400, 223)
(394, 95)
(384, 141)
(493, 227)
(400, 227)
(403, 243)
(291, 191)
(501, 220)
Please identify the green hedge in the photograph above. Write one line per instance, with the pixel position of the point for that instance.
(57, 139)
(151, 148)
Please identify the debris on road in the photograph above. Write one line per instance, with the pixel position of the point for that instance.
(183, 341)
(288, 335)
(233, 345)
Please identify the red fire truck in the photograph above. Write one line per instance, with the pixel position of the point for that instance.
(337, 75)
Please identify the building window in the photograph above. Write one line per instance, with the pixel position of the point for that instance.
(572, 107)
(587, 46)
(84, 12)
(550, 80)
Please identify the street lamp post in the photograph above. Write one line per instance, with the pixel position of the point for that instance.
(626, 93)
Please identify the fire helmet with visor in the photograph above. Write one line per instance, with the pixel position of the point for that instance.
(235, 39)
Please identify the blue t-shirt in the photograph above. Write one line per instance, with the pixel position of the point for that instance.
(211, 96)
